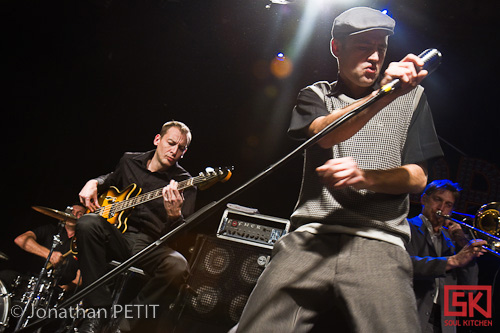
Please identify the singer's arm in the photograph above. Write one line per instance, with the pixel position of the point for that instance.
(351, 126)
(342, 172)
(404, 71)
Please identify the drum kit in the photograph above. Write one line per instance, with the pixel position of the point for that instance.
(28, 293)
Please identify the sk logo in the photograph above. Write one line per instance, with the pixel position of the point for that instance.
(466, 299)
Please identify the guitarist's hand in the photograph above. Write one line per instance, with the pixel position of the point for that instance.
(172, 200)
(88, 195)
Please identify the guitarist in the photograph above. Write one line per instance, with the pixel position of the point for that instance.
(99, 241)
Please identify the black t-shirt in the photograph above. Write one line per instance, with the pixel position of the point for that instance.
(44, 236)
(149, 217)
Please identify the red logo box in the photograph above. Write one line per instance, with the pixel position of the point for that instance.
(466, 303)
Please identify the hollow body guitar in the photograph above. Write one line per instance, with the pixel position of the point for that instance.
(116, 204)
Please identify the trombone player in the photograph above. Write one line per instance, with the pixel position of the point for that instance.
(441, 254)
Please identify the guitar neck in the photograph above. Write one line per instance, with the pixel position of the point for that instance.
(204, 180)
(148, 196)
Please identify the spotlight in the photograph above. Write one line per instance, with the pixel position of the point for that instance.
(281, 66)
(386, 12)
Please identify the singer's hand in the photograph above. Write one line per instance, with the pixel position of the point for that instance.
(342, 172)
(406, 71)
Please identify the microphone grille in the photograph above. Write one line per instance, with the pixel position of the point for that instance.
(431, 59)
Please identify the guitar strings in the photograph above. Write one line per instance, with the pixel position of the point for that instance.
(122, 205)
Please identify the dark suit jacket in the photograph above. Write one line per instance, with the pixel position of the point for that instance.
(427, 266)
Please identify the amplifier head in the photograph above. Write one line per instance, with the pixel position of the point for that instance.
(254, 229)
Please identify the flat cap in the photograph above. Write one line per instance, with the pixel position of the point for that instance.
(361, 19)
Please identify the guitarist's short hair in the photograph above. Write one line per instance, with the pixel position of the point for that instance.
(180, 125)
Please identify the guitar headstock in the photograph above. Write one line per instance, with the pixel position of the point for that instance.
(211, 176)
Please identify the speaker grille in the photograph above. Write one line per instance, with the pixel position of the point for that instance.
(223, 274)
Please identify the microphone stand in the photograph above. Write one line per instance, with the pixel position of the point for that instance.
(210, 208)
(56, 240)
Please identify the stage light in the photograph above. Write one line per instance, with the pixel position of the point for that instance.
(386, 12)
(281, 2)
(278, 2)
(281, 67)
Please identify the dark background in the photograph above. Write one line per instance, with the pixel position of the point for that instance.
(85, 81)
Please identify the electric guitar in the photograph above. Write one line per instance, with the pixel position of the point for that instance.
(116, 204)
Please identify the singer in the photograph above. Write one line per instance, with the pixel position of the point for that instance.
(344, 267)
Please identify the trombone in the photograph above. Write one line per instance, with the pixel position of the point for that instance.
(487, 219)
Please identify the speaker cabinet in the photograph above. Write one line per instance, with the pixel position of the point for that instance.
(223, 274)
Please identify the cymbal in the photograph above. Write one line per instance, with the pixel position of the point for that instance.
(57, 214)
(3, 256)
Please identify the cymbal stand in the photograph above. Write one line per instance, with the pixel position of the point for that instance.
(56, 240)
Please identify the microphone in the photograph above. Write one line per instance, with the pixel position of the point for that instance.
(431, 59)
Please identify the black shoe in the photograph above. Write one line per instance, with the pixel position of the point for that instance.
(90, 325)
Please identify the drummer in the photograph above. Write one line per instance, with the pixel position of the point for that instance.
(39, 241)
